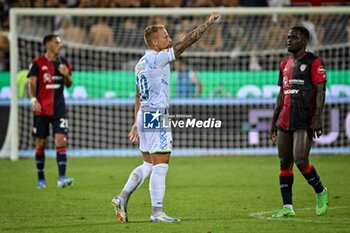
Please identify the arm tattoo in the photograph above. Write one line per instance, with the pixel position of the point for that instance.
(190, 38)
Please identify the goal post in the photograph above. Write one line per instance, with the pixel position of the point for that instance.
(10, 145)
(236, 63)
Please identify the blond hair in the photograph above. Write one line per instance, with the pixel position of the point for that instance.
(149, 31)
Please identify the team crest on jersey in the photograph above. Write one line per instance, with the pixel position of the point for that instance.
(321, 70)
(303, 67)
(47, 77)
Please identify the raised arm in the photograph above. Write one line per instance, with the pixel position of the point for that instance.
(193, 36)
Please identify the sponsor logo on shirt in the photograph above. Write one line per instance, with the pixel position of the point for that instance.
(48, 78)
(57, 77)
(44, 68)
(297, 81)
(288, 82)
(291, 92)
(53, 86)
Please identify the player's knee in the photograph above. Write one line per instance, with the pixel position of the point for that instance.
(286, 163)
(61, 141)
(40, 144)
(301, 164)
(161, 169)
(146, 168)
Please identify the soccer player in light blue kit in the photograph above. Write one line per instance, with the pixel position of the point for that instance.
(152, 92)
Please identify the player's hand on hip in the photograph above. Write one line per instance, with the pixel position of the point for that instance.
(134, 135)
(214, 17)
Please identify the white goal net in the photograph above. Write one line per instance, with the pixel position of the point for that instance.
(234, 79)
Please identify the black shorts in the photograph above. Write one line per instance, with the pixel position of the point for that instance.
(42, 123)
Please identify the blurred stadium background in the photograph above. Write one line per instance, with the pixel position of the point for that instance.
(236, 63)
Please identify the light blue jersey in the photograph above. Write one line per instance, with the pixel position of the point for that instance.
(153, 82)
(153, 78)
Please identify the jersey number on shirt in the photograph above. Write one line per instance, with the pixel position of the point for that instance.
(144, 92)
(64, 123)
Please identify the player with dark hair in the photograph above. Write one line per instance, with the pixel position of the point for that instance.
(297, 118)
(152, 92)
(48, 74)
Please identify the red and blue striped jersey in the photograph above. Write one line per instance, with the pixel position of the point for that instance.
(49, 86)
(297, 79)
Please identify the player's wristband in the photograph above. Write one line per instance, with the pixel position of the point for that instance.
(33, 100)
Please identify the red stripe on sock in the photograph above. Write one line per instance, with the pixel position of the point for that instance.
(61, 149)
(286, 172)
(39, 152)
(307, 170)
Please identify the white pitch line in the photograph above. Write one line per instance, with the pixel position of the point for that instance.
(260, 215)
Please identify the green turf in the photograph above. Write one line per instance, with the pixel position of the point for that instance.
(209, 194)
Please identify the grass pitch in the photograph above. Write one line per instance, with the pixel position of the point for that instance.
(209, 195)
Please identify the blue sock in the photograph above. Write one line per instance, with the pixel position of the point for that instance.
(313, 179)
(286, 184)
(61, 158)
(40, 163)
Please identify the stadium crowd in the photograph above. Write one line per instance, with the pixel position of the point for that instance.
(244, 33)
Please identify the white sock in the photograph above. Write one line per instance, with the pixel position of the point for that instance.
(157, 184)
(288, 206)
(137, 177)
